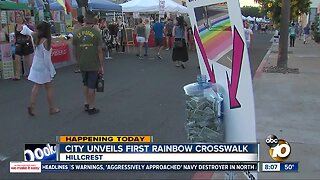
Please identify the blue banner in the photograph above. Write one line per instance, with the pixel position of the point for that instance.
(289, 167)
(158, 148)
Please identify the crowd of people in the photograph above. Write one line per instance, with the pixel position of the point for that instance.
(303, 33)
(175, 35)
(93, 40)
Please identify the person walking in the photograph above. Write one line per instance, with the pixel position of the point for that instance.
(306, 34)
(148, 29)
(106, 39)
(248, 34)
(292, 34)
(42, 70)
(23, 47)
(87, 44)
(300, 31)
(180, 51)
(141, 37)
(168, 30)
(158, 29)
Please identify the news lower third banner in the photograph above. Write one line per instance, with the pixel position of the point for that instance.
(135, 153)
(200, 152)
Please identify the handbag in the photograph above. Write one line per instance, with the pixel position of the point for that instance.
(100, 83)
(178, 44)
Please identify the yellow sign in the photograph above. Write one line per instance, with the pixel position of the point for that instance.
(105, 139)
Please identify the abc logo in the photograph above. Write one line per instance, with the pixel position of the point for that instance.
(279, 148)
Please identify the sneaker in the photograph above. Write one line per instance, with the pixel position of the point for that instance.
(159, 56)
(108, 58)
(140, 57)
(167, 49)
(93, 111)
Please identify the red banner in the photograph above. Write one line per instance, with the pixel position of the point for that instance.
(60, 52)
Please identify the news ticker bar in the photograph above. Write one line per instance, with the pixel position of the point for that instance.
(104, 139)
(38, 167)
(280, 167)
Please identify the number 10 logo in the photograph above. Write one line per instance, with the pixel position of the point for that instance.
(279, 148)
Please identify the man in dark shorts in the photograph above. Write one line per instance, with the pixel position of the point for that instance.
(87, 43)
(158, 29)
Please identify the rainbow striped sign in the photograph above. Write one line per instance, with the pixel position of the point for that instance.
(215, 30)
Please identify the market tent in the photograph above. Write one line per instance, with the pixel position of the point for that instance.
(10, 5)
(152, 6)
(100, 5)
(96, 5)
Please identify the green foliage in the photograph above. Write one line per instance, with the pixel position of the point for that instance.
(273, 8)
(251, 11)
(316, 32)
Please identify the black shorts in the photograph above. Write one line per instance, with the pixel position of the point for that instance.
(169, 34)
(24, 49)
(158, 41)
(90, 78)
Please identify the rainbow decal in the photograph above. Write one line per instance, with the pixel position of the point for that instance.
(217, 38)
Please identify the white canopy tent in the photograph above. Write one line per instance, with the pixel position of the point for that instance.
(152, 6)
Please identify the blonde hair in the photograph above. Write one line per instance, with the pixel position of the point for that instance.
(21, 15)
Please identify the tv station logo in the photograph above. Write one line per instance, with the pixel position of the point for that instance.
(279, 148)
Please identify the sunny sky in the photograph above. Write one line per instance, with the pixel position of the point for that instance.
(247, 3)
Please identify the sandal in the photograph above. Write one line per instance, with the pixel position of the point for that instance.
(54, 111)
(16, 78)
(31, 111)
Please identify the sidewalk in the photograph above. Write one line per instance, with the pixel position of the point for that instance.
(287, 105)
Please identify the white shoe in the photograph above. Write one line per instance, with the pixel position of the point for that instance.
(108, 58)
(167, 49)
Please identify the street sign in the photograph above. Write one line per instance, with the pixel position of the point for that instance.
(161, 8)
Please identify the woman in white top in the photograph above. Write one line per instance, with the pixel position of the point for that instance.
(42, 70)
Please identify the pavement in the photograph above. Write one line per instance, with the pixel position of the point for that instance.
(287, 105)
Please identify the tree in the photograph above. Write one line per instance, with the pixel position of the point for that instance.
(273, 8)
(251, 11)
(284, 33)
(316, 31)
